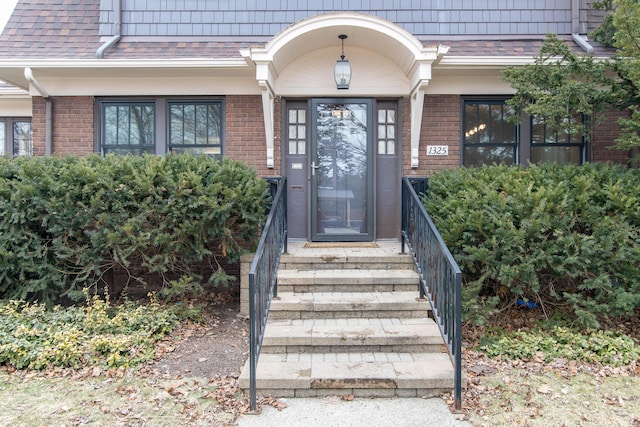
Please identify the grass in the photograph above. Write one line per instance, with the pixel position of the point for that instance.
(130, 400)
(548, 399)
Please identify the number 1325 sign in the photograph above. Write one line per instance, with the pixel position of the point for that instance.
(437, 150)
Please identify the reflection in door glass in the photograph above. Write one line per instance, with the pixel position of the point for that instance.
(341, 169)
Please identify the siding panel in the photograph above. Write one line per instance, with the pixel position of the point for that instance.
(456, 17)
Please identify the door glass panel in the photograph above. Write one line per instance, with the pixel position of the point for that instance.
(341, 176)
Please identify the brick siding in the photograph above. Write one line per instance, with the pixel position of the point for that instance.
(604, 136)
(245, 137)
(440, 126)
(73, 125)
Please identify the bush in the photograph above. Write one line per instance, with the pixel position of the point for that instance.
(605, 347)
(67, 223)
(563, 236)
(33, 337)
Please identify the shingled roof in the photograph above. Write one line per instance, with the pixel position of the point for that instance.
(68, 29)
(52, 29)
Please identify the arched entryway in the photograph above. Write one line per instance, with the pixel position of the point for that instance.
(331, 136)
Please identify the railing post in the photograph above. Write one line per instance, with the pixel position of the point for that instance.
(253, 336)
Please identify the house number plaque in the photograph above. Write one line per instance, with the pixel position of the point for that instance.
(437, 150)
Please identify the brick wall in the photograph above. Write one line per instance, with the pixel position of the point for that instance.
(440, 126)
(38, 126)
(73, 125)
(604, 136)
(245, 138)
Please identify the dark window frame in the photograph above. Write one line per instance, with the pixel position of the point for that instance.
(581, 145)
(470, 100)
(9, 147)
(161, 125)
(105, 148)
(196, 102)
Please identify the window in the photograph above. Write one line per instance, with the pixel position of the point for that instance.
(161, 125)
(387, 131)
(195, 128)
(16, 137)
(297, 130)
(553, 147)
(128, 128)
(488, 136)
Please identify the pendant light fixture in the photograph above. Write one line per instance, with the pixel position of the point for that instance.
(342, 72)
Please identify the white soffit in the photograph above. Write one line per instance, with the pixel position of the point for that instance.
(312, 75)
(106, 73)
(15, 107)
(468, 80)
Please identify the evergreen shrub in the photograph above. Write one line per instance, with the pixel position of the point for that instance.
(564, 237)
(67, 223)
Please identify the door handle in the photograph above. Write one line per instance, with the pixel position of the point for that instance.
(314, 167)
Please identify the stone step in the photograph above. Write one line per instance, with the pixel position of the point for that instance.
(370, 374)
(327, 305)
(352, 335)
(347, 280)
(336, 260)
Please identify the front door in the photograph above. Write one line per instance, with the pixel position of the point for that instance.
(341, 170)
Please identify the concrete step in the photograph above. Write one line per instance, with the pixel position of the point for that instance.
(347, 280)
(352, 335)
(327, 305)
(352, 259)
(371, 374)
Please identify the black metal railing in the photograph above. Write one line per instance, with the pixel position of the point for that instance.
(262, 275)
(440, 276)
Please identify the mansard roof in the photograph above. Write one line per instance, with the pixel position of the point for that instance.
(68, 29)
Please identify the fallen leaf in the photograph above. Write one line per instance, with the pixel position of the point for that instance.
(544, 389)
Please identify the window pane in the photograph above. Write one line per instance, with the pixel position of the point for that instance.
(210, 151)
(302, 116)
(123, 125)
(3, 140)
(391, 147)
(382, 116)
(195, 128)
(476, 156)
(302, 131)
(214, 125)
(111, 125)
(22, 143)
(471, 123)
(391, 131)
(391, 116)
(189, 120)
(128, 128)
(293, 134)
(382, 147)
(559, 155)
(176, 125)
(301, 147)
(576, 138)
(484, 118)
(202, 124)
(537, 130)
(382, 131)
(123, 151)
(496, 124)
(293, 116)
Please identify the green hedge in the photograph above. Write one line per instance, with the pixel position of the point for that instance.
(66, 223)
(561, 237)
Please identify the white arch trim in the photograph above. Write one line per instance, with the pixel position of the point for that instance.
(321, 31)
